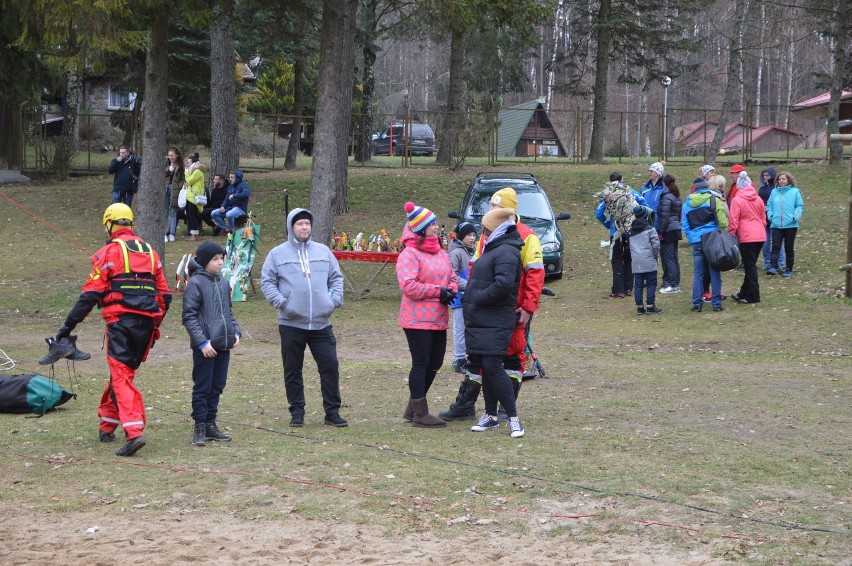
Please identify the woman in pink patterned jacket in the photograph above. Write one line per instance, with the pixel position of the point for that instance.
(428, 284)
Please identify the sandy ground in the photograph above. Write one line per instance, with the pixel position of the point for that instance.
(62, 538)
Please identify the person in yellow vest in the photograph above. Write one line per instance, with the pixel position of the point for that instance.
(128, 284)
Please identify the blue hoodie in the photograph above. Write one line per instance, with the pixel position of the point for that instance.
(237, 194)
(302, 280)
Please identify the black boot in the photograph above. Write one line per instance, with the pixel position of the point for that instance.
(516, 385)
(212, 432)
(464, 407)
(200, 434)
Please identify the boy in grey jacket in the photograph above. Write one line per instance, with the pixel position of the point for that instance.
(644, 251)
(302, 279)
(213, 331)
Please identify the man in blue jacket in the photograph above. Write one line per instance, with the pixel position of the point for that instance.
(125, 169)
(703, 212)
(620, 259)
(302, 279)
(235, 203)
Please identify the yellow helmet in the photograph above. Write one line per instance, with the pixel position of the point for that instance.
(116, 212)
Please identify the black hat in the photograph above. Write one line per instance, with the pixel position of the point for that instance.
(206, 251)
(303, 215)
(640, 211)
(463, 229)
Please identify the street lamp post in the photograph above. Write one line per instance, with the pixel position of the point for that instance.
(667, 80)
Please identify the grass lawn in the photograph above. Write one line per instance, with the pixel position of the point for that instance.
(724, 437)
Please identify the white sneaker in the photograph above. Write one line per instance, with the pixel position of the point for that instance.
(667, 289)
(485, 423)
(166, 238)
(171, 237)
(676, 289)
(516, 427)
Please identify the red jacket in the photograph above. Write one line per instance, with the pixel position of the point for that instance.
(747, 217)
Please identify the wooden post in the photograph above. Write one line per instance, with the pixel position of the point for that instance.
(848, 267)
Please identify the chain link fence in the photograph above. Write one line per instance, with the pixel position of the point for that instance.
(524, 134)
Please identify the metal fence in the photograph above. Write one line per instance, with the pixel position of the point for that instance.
(516, 135)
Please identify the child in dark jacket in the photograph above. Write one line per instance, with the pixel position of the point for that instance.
(213, 331)
(644, 251)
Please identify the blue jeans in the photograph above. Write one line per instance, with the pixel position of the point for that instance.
(122, 196)
(225, 220)
(767, 251)
(459, 350)
(698, 263)
(170, 221)
(641, 281)
(208, 383)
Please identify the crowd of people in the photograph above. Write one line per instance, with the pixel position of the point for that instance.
(186, 195)
(492, 283)
(646, 226)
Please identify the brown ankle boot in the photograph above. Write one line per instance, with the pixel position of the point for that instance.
(408, 415)
(422, 418)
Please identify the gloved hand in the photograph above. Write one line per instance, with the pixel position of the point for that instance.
(63, 332)
(447, 296)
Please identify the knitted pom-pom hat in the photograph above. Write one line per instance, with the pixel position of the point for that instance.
(419, 218)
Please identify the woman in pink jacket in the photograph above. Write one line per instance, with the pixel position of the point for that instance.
(428, 284)
(747, 221)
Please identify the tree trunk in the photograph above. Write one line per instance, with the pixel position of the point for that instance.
(363, 141)
(455, 95)
(334, 114)
(225, 155)
(66, 144)
(596, 149)
(735, 63)
(11, 134)
(149, 200)
(841, 62)
(761, 55)
(298, 110)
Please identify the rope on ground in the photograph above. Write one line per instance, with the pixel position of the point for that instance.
(43, 221)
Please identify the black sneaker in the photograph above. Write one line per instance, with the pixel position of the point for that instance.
(640, 310)
(131, 447)
(718, 309)
(485, 423)
(697, 308)
(297, 420)
(212, 432)
(654, 310)
(333, 419)
(106, 436)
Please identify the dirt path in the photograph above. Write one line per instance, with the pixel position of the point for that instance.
(62, 538)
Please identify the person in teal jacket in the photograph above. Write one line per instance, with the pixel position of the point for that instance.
(697, 219)
(784, 211)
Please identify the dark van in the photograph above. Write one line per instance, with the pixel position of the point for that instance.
(422, 141)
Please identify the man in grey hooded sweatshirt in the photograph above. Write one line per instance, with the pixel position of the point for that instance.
(302, 279)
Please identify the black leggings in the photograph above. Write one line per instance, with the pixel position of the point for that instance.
(497, 386)
(427, 349)
(785, 237)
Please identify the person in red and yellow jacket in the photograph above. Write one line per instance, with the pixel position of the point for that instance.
(529, 293)
(128, 284)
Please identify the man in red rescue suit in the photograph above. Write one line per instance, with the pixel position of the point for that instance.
(128, 284)
(529, 293)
